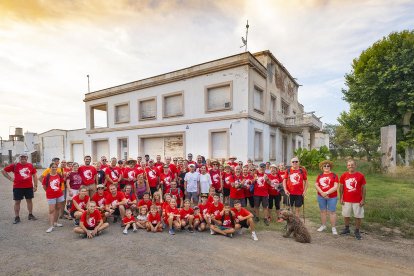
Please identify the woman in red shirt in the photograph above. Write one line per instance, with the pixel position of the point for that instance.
(237, 189)
(51, 184)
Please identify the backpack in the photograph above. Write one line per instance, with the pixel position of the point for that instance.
(48, 179)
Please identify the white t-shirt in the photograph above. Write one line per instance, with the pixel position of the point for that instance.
(205, 183)
(192, 180)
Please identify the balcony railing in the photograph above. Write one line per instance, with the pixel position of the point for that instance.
(296, 121)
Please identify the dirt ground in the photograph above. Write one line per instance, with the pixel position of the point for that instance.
(26, 249)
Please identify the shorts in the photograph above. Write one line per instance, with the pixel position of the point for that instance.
(264, 200)
(192, 195)
(72, 213)
(276, 199)
(296, 200)
(243, 224)
(349, 207)
(218, 191)
(90, 228)
(242, 201)
(20, 193)
(57, 200)
(226, 192)
(327, 203)
(251, 201)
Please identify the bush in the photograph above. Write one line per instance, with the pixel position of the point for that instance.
(310, 159)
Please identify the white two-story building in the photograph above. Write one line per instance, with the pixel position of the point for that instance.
(244, 105)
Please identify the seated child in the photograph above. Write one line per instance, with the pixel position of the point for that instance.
(154, 220)
(227, 223)
(142, 217)
(187, 216)
(129, 221)
(91, 223)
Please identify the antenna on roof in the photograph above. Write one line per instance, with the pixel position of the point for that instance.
(89, 88)
(245, 40)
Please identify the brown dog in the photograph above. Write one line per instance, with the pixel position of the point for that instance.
(295, 226)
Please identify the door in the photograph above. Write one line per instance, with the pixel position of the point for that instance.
(165, 146)
(77, 153)
(52, 147)
(100, 148)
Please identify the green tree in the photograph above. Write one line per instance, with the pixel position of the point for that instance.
(381, 92)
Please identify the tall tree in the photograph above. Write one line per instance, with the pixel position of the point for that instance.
(381, 91)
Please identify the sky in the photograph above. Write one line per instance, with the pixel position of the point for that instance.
(48, 47)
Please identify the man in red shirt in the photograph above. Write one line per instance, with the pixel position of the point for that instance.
(159, 165)
(115, 203)
(91, 222)
(244, 219)
(172, 167)
(190, 159)
(295, 184)
(23, 180)
(113, 175)
(152, 176)
(352, 192)
(104, 163)
(232, 162)
(88, 174)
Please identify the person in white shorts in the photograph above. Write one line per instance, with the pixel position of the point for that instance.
(352, 193)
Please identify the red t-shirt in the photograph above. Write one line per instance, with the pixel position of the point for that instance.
(238, 193)
(352, 186)
(248, 180)
(93, 220)
(159, 166)
(261, 188)
(185, 213)
(75, 180)
(114, 174)
(203, 209)
(233, 164)
(215, 178)
(129, 175)
(198, 216)
(100, 199)
(227, 221)
(126, 220)
(53, 189)
(81, 202)
(113, 200)
(130, 197)
(152, 174)
(166, 179)
(173, 169)
(243, 212)
(210, 199)
(169, 210)
(227, 180)
(146, 203)
(294, 181)
(325, 182)
(275, 181)
(177, 193)
(22, 175)
(215, 210)
(154, 219)
(87, 174)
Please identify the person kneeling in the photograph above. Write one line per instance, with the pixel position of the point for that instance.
(244, 219)
(91, 223)
(227, 223)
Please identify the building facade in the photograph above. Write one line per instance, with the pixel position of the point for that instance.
(244, 105)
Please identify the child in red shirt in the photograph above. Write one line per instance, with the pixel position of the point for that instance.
(154, 220)
(172, 216)
(91, 223)
(187, 216)
(227, 223)
(197, 219)
(129, 221)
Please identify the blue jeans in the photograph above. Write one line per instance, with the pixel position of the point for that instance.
(327, 203)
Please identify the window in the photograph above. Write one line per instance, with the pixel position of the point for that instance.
(123, 149)
(99, 116)
(272, 147)
(219, 144)
(272, 108)
(293, 145)
(258, 146)
(285, 108)
(299, 144)
(173, 105)
(122, 113)
(258, 99)
(148, 109)
(219, 97)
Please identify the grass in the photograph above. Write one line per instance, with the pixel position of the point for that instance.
(389, 208)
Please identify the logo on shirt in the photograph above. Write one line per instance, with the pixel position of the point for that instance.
(216, 178)
(101, 202)
(54, 185)
(260, 182)
(351, 184)
(82, 205)
(226, 222)
(131, 175)
(114, 202)
(113, 175)
(324, 182)
(227, 179)
(91, 221)
(151, 174)
(87, 174)
(294, 178)
(25, 173)
(77, 179)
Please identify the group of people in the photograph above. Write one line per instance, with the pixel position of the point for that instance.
(182, 194)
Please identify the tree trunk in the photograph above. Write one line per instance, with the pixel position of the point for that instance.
(409, 151)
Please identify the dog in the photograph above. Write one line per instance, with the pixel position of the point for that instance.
(295, 226)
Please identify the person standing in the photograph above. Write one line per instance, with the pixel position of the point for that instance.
(192, 184)
(24, 185)
(352, 192)
(88, 174)
(295, 184)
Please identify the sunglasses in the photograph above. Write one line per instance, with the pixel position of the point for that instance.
(175, 159)
(326, 166)
(295, 161)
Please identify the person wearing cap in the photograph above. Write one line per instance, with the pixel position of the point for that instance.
(261, 194)
(152, 176)
(24, 185)
(276, 184)
(166, 177)
(352, 194)
(113, 175)
(192, 184)
(232, 162)
(295, 185)
(327, 185)
(99, 198)
(89, 175)
(215, 176)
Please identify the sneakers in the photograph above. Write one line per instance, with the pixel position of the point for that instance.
(134, 230)
(334, 232)
(212, 232)
(115, 219)
(16, 220)
(125, 232)
(345, 231)
(76, 222)
(190, 229)
(171, 231)
(58, 224)
(358, 235)
(241, 231)
(254, 236)
(49, 230)
(83, 236)
(266, 222)
(31, 217)
(229, 235)
(322, 228)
